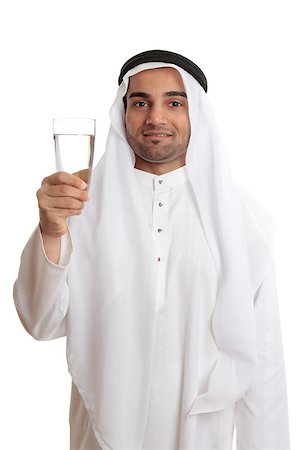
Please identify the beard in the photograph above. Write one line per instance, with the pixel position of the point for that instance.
(157, 150)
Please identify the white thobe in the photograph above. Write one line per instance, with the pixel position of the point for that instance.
(173, 217)
(174, 220)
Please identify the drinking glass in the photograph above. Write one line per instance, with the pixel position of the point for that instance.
(74, 146)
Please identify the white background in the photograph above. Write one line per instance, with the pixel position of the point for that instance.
(62, 58)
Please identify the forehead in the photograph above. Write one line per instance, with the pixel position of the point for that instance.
(164, 79)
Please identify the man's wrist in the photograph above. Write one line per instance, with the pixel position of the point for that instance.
(51, 244)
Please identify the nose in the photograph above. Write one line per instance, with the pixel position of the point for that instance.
(156, 116)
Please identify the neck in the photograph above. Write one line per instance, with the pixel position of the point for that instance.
(159, 168)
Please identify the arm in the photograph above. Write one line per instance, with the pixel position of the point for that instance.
(41, 292)
(261, 414)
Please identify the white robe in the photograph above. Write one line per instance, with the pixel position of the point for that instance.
(260, 416)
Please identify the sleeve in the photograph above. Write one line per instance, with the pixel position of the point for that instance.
(262, 414)
(41, 290)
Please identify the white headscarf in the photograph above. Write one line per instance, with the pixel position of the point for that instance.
(114, 271)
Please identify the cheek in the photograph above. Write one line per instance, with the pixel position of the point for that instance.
(187, 126)
(129, 130)
(129, 124)
(132, 124)
(128, 127)
(183, 126)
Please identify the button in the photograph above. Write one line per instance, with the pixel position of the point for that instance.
(159, 259)
(160, 181)
(159, 230)
(160, 204)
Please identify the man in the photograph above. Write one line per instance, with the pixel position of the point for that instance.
(165, 285)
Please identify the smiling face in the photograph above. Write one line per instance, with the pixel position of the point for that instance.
(157, 120)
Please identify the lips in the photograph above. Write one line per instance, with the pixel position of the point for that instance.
(156, 134)
(160, 133)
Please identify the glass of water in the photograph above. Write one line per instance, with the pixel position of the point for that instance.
(74, 146)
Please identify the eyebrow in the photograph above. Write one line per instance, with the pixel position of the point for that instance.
(167, 94)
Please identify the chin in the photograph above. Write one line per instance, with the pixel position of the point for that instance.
(161, 159)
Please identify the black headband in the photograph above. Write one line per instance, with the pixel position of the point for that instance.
(167, 57)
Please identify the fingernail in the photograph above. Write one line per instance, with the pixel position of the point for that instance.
(83, 184)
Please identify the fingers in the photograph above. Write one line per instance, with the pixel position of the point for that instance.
(46, 202)
(62, 185)
(60, 196)
(64, 190)
(60, 178)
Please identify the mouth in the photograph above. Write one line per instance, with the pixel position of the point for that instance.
(150, 133)
(156, 134)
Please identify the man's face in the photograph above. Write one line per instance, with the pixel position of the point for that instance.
(157, 119)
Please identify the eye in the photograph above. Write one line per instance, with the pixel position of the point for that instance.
(140, 104)
(175, 103)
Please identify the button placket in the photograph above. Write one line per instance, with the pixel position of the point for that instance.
(159, 216)
(159, 208)
(161, 193)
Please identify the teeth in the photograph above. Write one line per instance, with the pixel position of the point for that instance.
(161, 134)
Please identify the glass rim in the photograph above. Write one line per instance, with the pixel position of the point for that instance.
(73, 119)
(74, 126)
